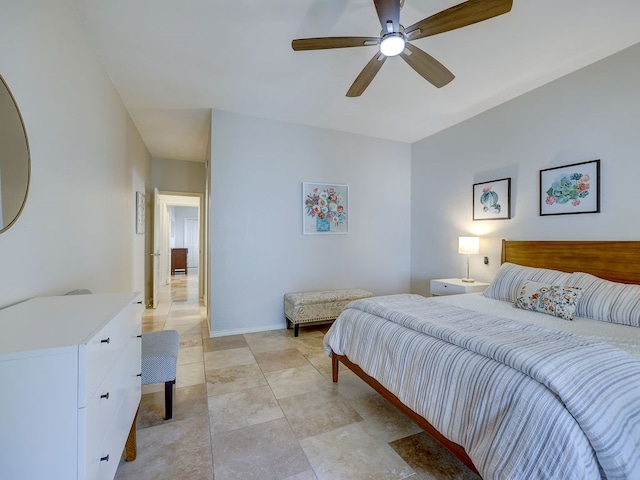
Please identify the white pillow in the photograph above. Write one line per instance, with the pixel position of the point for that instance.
(607, 301)
(510, 277)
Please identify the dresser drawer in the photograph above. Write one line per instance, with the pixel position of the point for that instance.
(104, 348)
(120, 387)
(105, 465)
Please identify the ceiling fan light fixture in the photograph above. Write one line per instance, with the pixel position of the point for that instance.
(392, 44)
(394, 40)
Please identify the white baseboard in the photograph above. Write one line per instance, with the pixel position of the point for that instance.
(241, 331)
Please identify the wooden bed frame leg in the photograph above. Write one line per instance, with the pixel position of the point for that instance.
(334, 367)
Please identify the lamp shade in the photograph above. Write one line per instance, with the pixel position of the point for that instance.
(469, 245)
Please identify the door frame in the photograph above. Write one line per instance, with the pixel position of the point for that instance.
(162, 202)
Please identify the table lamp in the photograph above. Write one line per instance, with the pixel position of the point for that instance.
(468, 246)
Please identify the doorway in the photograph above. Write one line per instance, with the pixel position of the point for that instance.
(179, 226)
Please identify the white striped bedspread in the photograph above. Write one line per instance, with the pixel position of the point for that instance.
(525, 402)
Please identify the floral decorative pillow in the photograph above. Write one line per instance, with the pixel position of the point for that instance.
(550, 299)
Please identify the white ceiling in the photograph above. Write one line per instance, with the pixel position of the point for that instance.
(174, 60)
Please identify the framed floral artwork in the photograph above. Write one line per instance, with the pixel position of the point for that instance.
(140, 213)
(492, 200)
(325, 208)
(573, 188)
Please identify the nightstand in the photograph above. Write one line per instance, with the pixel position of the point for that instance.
(454, 286)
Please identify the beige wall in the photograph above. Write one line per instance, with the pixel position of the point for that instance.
(178, 175)
(77, 229)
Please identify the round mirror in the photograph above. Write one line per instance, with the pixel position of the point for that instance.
(15, 164)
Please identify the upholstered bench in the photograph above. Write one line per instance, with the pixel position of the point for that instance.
(318, 306)
(159, 363)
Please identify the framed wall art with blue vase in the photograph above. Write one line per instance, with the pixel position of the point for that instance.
(325, 208)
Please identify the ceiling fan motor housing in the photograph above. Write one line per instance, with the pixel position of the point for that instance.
(392, 43)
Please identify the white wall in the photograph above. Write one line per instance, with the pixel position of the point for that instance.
(258, 251)
(77, 229)
(180, 214)
(590, 114)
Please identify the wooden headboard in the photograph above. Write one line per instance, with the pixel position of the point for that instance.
(611, 260)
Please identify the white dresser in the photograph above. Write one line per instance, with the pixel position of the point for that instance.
(69, 385)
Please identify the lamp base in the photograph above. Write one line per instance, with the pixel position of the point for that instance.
(468, 280)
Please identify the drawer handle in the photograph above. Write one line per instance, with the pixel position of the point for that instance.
(139, 336)
(139, 375)
(106, 340)
(104, 459)
(105, 396)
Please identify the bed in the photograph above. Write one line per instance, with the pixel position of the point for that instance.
(547, 390)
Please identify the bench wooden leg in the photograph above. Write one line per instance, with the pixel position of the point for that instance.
(296, 330)
(168, 399)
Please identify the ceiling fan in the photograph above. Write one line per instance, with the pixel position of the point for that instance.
(394, 39)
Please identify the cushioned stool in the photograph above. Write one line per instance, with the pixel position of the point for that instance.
(318, 306)
(80, 291)
(159, 363)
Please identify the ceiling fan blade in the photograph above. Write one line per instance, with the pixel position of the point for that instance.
(366, 75)
(461, 15)
(388, 11)
(427, 66)
(332, 42)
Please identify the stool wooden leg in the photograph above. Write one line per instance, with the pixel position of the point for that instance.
(168, 399)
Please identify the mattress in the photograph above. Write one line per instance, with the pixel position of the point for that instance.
(622, 336)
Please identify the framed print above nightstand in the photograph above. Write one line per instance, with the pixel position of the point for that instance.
(492, 200)
(571, 188)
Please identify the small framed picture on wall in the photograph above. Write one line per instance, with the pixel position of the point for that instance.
(492, 200)
(140, 213)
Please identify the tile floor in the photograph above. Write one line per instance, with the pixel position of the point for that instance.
(262, 406)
